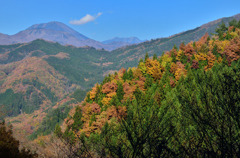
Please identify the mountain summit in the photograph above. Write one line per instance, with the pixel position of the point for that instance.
(58, 26)
(61, 33)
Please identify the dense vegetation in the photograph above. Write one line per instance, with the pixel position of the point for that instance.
(16, 102)
(79, 66)
(37, 75)
(9, 146)
(184, 103)
(11, 103)
(53, 117)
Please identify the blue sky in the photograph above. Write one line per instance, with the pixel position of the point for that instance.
(102, 20)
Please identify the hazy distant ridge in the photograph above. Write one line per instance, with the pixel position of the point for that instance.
(130, 40)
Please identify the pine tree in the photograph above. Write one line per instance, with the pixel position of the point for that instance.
(146, 57)
(154, 56)
(77, 119)
(120, 91)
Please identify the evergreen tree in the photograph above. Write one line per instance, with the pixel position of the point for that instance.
(173, 57)
(233, 23)
(125, 76)
(77, 119)
(148, 82)
(155, 56)
(175, 47)
(238, 25)
(120, 91)
(146, 57)
(130, 74)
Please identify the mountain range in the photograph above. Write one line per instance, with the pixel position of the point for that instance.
(38, 76)
(61, 33)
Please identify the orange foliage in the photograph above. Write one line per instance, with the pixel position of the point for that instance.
(230, 28)
(195, 64)
(182, 47)
(174, 51)
(128, 90)
(121, 72)
(109, 87)
(210, 59)
(189, 50)
(140, 84)
(89, 109)
(137, 73)
(93, 93)
(173, 68)
(172, 82)
(105, 116)
(180, 71)
(232, 51)
(119, 113)
(202, 40)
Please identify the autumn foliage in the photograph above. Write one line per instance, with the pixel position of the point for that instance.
(130, 104)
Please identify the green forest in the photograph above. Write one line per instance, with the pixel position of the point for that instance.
(184, 103)
(178, 103)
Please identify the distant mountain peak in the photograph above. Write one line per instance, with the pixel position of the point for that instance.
(130, 40)
(58, 26)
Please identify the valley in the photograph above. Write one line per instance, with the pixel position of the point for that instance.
(78, 85)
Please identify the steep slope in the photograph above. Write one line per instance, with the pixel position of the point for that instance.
(183, 103)
(130, 55)
(58, 70)
(83, 66)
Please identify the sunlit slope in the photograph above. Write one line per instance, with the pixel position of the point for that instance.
(180, 101)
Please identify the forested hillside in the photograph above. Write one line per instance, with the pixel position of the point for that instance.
(184, 103)
(129, 56)
(42, 81)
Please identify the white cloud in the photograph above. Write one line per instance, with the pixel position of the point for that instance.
(85, 19)
(99, 14)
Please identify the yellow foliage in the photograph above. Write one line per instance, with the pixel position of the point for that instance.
(152, 65)
(87, 114)
(179, 53)
(110, 95)
(211, 44)
(165, 59)
(210, 59)
(93, 93)
(173, 68)
(157, 74)
(221, 45)
(137, 73)
(219, 60)
(142, 67)
(179, 72)
(114, 80)
(200, 56)
(237, 30)
(233, 34)
(106, 101)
